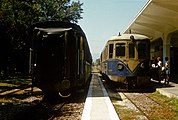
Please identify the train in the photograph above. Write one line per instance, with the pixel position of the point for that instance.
(126, 59)
(60, 57)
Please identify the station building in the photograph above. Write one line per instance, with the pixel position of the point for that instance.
(158, 20)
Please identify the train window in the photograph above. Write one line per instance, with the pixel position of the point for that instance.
(120, 49)
(110, 50)
(131, 51)
(142, 50)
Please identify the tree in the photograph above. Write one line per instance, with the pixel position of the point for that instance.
(62, 10)
(16, 16)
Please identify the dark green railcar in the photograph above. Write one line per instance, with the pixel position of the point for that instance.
(60, 57)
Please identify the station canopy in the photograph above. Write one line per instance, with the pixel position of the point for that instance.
(156, 18)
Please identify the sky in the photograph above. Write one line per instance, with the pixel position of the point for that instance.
(105, 18)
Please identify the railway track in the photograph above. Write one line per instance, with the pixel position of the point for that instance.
(57, 109)
(29, 105)
(143, 103)
(144, 106)
(139, 103)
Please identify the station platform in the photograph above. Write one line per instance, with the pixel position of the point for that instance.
(98, 105)
(170, 90)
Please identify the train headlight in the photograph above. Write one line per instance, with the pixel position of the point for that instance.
(120, 67)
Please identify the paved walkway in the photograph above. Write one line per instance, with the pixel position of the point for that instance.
(170, 90)
(98, 105)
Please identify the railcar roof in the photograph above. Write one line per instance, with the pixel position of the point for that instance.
(127, 36)
(53, 30)
(55, 25)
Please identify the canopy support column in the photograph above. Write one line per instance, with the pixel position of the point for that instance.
(166, 47)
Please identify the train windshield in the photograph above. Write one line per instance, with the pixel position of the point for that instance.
(120, 49)
(142, 50)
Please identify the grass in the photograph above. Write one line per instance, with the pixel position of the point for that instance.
(17, 81)
(7, 85)
(125, 113)
(10, 84)
(13, 83)
(4, 100)
(168, 103)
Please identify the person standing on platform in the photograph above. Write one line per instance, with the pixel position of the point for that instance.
(159, 65)
(166, 71)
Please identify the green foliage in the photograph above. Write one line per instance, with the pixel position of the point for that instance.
(16, 16)
(62, 10)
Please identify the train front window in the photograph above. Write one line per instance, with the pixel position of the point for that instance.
(120, 49)
(142, 50)
(110, 50)
(131, 50)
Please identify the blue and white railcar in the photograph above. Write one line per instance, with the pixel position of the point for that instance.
(125, 59)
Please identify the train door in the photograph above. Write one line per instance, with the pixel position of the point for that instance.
(50, 57)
